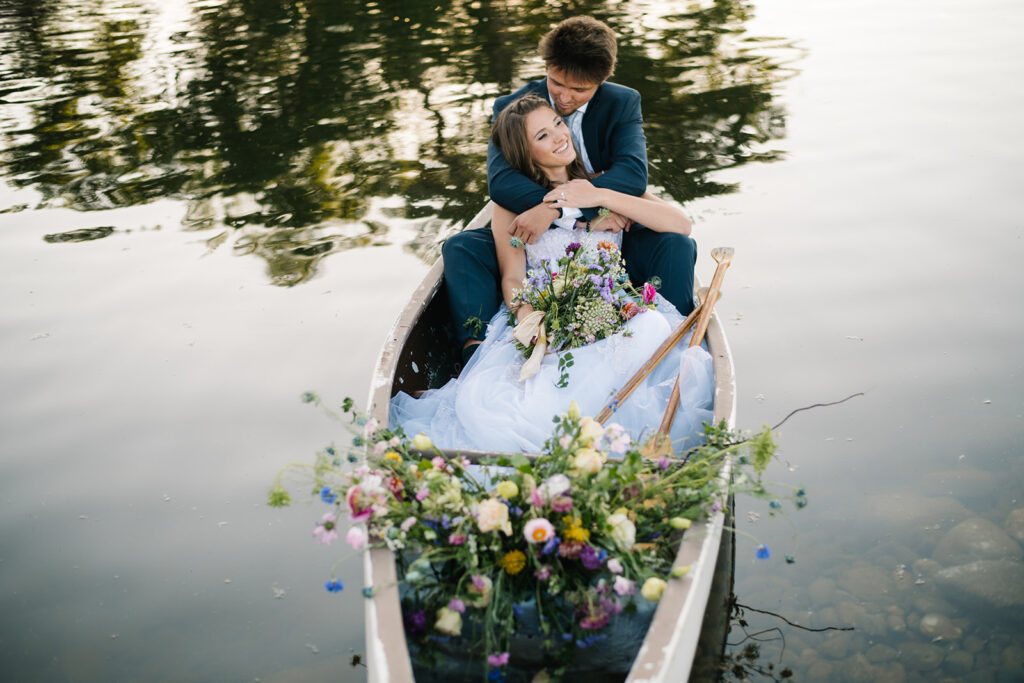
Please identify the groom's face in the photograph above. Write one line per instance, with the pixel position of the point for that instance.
(568, 93)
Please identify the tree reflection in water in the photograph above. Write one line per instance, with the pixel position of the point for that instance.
(289, 128)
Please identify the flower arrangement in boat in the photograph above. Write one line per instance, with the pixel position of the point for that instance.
(582, 297)
(570, 540)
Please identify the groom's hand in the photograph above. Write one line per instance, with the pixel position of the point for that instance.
(533, 223)
(613, 222)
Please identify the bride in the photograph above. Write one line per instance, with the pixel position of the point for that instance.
(488, 407)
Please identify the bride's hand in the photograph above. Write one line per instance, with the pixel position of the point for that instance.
(579, 194)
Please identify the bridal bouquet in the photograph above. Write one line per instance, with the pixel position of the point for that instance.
(559, 546)
(582, 297)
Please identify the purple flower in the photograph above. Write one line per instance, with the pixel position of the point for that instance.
(416, 622)
(456, 605)
(591, 558)
(572, 248)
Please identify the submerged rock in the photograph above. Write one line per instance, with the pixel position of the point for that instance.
(961, 483)
(976, 539)
(867, 583)
(914, 519)
(939, 626)
(986, 583)
(1014, 525)
(921, 656)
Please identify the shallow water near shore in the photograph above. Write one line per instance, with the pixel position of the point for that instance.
(208, 208)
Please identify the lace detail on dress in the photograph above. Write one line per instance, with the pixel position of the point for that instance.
(551, 245)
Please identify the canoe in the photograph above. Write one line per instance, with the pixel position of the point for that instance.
(417, 354)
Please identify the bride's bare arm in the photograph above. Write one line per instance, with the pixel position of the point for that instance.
(646, 209)
(511, 260)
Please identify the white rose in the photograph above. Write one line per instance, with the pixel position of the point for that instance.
(588, 461)
(623, 530)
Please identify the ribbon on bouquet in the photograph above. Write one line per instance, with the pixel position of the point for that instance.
(529, 329)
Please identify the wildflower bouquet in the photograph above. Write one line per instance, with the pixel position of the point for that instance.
(583, 297)
(562, 544)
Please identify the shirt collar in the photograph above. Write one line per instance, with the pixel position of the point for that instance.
(582, 110)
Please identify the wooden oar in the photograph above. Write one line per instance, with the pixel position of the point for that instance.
(661, 444)
(652, 362)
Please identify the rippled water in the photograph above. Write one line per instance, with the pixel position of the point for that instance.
(207, 208)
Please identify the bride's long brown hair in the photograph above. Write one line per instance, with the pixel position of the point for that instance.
(509, 135)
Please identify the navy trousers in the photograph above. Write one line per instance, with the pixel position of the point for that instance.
(473, 282)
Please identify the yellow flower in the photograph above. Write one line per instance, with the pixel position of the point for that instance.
(392, 455)
(422, 442)
(574, 410)
(513, 562)
(449, 622)
(508, 489)
(680, 523)
(574, 530)
(653, 588)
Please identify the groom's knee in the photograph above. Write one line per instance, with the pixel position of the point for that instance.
(470, 251)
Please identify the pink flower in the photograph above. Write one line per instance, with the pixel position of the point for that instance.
(543, 573)
(538, 531)
(422, 493)
(456, 539)
(623, 586)
(457, 605)
(595, 621)
(356, 537)
(379, 447)
(326, 529)
(409, 523)
(614, 566)
(648, 293)
(498, 660)
(358, 506)
(438, 462)
(562, 504)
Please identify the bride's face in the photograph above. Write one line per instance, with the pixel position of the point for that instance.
(549, 140)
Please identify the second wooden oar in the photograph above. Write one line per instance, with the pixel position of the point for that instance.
(661, 443)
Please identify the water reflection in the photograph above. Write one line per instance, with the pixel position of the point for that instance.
(279, 123)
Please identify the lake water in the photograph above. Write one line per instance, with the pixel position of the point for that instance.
(210, 207)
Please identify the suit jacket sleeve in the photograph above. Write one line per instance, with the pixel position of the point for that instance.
(507, 186)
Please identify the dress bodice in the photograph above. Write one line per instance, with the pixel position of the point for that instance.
(551, 245)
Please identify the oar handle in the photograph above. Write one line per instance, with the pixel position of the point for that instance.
(659, 354)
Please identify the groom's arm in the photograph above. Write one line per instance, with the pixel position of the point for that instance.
(508, 187)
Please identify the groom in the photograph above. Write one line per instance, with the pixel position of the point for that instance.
(605, 122)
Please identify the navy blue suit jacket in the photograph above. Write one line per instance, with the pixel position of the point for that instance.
(612, 132)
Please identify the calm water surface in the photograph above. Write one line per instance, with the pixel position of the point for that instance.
(207, 208)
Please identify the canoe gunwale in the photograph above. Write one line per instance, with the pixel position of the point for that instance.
(669, 646)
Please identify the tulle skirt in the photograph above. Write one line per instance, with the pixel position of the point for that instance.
(488, 408)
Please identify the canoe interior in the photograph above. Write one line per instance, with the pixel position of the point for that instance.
(428, 359)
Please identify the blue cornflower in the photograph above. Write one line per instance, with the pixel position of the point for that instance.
(330, 450)
(495, 675)
(800, 493)
(308, 397)
(517, 611)
(352, 457)
(334, 586)
(775, 505)
(762, 552)
(327, 496)
(801, 502)
(550, 546)
(367, 591)
(790, 559)
(357, 441)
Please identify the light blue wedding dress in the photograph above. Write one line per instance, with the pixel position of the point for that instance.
(488, 408)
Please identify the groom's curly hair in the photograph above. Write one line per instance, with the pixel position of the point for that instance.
(583, 47)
